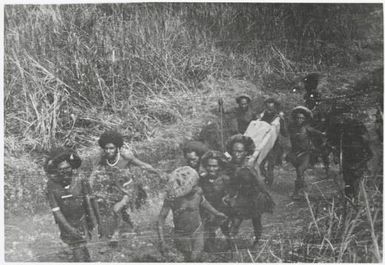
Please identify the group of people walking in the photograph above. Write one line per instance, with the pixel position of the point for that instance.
(216, 189)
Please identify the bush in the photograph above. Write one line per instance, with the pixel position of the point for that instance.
(24, 186)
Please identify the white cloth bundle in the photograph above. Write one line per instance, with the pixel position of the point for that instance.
(264, 136)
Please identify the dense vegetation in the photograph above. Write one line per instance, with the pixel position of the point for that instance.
(91, 58)
(72, 71)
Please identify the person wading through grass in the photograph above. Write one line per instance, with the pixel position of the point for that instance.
(114, 158)
(248, 197)
(71, 202)
(185, 199)
(301, 146)
(192, 152)
(243, 114)
(351, 137)
(270, 113)
(215, 185)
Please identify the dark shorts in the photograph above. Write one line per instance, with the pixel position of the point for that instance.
(298, 158)
(351, 175)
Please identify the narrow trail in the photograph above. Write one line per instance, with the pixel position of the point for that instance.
(36, 238)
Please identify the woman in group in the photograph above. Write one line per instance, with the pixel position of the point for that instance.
(116, 186)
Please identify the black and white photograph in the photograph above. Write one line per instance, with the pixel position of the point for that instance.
(230, 132)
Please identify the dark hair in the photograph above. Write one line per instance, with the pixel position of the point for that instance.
(58, 155)
(341, 107)
(247, 97)
(311, 81)
(245, 140)
(194, 146)
(302, 110)
(276, 103)
(219, 156)
(111, 137)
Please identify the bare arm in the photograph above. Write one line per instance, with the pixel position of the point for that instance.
(205, 204)
(313, 131)
(92, 206)
(143, 165)
(283, 126)
(258, 179)
(161, 220)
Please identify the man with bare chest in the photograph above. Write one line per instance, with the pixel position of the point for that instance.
(301, 141)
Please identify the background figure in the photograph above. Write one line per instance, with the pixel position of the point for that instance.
(300, 137)
(192, 152)
(319, 121)
(243, 114)
(349, 136)
(271, 112)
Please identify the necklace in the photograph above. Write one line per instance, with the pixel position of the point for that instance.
(116, 161)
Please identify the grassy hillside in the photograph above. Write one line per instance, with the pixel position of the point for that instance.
(154, 71)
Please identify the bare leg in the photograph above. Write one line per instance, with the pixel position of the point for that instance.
(262, 168)
(197, 246)
(257, 225)
(209, 236)
(326, 162)
(302, 165)
(234, 229)
(270, 168)
(117, 219)
(81, 254)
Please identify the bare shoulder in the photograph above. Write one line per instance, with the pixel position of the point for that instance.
(225, 177)
(198, 190)
(127, 154)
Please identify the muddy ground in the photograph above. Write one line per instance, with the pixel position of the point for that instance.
(36, 238)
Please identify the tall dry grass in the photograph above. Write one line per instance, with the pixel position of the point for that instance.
(86, 59)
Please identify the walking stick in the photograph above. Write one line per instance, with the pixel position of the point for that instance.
(344, 198)
(94, 215)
